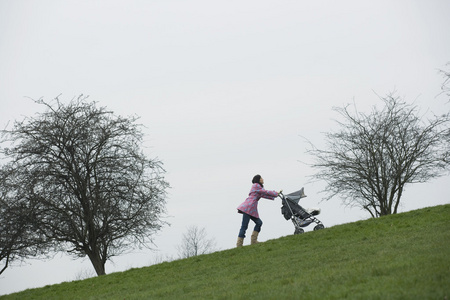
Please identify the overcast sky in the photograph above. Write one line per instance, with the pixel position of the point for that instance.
(226, 90)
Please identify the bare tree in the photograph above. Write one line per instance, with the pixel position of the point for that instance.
(195, 242)
(371, 157)
(84, 167)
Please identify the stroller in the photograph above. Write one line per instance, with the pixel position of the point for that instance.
(299, 216)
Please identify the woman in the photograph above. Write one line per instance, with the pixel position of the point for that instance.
(249, 209)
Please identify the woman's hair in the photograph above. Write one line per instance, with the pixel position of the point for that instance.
(257, 179)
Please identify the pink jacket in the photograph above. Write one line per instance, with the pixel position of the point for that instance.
(250, 205)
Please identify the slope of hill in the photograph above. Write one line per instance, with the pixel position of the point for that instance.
(404, 256)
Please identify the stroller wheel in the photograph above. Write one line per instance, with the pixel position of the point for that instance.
(298, 231)
(318, 227)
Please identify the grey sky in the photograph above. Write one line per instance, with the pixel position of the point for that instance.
(225, 89)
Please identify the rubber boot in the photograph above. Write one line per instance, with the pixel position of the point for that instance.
(254, 238)
(240, 242)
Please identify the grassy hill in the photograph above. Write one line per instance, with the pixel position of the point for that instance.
(404, 256)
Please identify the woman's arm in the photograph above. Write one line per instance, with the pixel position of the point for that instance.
(267, 194)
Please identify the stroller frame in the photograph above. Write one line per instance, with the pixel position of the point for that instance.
(297, 214)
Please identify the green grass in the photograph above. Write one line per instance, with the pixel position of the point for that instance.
(404, 256)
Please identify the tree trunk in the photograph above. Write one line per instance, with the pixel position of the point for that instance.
(399, 195)
(98, 263)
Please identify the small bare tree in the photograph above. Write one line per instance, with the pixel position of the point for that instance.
(371, 157)
(195, 242)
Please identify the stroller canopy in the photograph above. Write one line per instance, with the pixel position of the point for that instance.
(296, 196)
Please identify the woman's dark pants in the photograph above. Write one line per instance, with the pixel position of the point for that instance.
(245, 220)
